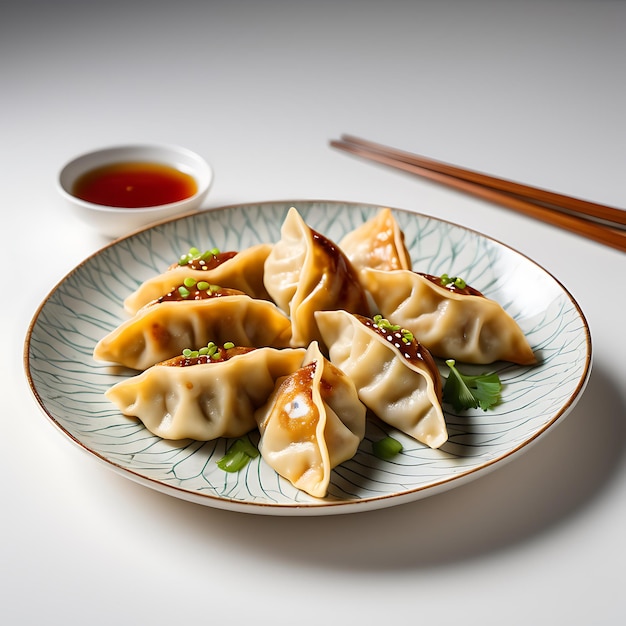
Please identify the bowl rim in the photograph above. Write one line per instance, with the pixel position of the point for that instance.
(201, 170)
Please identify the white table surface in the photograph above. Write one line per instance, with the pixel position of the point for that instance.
(532, 91)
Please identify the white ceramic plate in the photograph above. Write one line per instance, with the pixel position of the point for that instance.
(88, 303)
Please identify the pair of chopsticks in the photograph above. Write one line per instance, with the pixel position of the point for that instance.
(598, 222)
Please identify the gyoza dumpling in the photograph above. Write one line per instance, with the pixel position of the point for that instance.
(453, 322)
(395, 377)
(312, 422)
(207, 394)
(378, 243)
(306, 272)
(160, 331)
(237, 270)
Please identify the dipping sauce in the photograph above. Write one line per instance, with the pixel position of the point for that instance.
(134, 185)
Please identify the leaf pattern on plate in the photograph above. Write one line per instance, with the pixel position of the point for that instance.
(88, 303)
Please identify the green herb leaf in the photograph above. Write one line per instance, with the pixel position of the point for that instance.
(463, 391)
(238, 455)
(386, 448)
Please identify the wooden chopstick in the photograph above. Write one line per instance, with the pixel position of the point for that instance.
(543, 196)
(565, 212)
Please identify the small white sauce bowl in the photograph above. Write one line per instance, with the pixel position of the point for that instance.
(115, 221)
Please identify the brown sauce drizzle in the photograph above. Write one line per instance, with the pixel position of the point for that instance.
(222, 354)
(413, 351)
(339, 266)
(465, 291)
(198, 294)
(207, 264)
(212, 263)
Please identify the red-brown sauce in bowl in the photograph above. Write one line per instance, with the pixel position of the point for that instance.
(132, 185)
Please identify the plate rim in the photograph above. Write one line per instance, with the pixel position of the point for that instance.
(321, 507)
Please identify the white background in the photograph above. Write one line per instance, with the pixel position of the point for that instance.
(534, 91)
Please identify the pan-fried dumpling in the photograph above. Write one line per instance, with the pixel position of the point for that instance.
(237, 270)
(452, 321)
(395, 377)
(312, 422)
(160, 331)
(205, 394)
(378, 243)
(306, 272)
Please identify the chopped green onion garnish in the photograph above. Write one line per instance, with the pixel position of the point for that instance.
(189, 282)
(384, 324)
(457, 281)
(246, 446)
(184, 292)
(238, 455)
(203, 285)
(386, 448)
(194, 254)
(211, 350)
(233, 461)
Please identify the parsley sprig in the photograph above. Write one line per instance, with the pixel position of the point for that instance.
(463, 391)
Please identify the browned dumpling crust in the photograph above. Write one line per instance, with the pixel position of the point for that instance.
(395, 377)
(312, 422)
(161, 331)
(377, 244)
(306, 272)
(205, 398)
(241, 270)
(452, 324)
